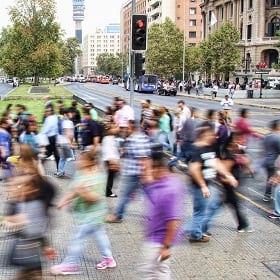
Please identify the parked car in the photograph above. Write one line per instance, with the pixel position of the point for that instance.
(115, 81)
(104, 80)
(168, 90)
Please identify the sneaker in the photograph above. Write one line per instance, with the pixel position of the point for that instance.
(62, 269)
(246, 229)
(267, 198)
(207, 233)
(51, 157)
(59, 175)
(273, 216)
(106, 263)
(112, 195)
(202, 239)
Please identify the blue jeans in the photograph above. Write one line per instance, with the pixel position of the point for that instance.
(201, 214)
(213, 206)
(163, 139)
(187, 148)
(129, 185)
(277, 201)
(83, 232)
(64, 153)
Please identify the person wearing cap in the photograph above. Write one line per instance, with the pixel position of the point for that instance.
(227, 104)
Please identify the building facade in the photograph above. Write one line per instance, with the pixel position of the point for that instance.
(184, 13)
(125, 20)
(101, 41)
(257, 21)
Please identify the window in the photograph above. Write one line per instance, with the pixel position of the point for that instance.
(192, 34)
(249, 31)
(178, 6)
(250, 4)
(222, 13)
(193, 22)
(275, 3)
(242, 6)
(273, 27)
(192, 11)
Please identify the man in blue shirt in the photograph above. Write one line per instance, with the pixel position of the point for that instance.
(50, 129)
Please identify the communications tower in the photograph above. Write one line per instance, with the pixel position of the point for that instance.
(78, 17)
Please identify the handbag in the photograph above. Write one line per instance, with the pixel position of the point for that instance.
(26, 252)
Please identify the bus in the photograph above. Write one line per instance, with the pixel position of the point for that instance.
(146, 83)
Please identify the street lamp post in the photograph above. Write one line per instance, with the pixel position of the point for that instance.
(247, 61)
(184, 43)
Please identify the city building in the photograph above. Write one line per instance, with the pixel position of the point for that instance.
(101, 41)
(126, 13)
(78, 17)
(184, 13)
(257, 20)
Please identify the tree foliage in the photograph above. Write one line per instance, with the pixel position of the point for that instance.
(33, 45)
(165, 49)
(111, 64)
(220, 52)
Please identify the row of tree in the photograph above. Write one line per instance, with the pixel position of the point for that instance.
(217, 56)
(33, 44)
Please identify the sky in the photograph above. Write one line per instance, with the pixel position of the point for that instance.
(98, 14)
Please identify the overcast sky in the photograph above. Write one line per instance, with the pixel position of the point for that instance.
(98, 13)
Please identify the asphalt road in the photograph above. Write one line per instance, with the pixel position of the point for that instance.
(101, 96)
(5, 89)
(250, 189)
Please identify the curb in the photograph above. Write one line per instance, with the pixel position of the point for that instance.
(238, 102)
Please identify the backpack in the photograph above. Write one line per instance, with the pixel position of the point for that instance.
(59, 125)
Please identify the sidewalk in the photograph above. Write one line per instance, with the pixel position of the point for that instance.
(266, 103)
(229, 255)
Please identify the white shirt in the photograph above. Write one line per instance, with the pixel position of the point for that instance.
(124, 115)
(109, 148)
(66, 124)
(227, 104)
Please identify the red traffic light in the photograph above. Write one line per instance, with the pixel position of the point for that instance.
(140, 23)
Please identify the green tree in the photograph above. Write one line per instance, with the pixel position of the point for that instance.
(220, 52)
(165, 49)
(32, 43)
(70, 50)
(111, 64)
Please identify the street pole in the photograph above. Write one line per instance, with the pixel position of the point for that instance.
(132, 60)
(184, 44)
(261, 87)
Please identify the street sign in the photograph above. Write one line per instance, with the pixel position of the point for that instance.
(262, 72)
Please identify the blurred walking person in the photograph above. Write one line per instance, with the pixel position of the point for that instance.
(136, 154)
(164, 204)
(271, 152)
(89, 209)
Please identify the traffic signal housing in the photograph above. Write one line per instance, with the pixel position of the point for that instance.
(139, 32)
(139, 65)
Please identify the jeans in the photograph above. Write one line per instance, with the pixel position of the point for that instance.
(202, 215)
(64, 153)
(277, 201)
(213, 206)
(187, 148)
(163, 139)
(129, 185)
(270, 172)
(85, 231)
(149, 267)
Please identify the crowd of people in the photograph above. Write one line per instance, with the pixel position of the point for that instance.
(213, 150)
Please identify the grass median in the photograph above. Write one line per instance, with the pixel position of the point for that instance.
(34, 102)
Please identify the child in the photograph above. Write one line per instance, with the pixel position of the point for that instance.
(89, 209)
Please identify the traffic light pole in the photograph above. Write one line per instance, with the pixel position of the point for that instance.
(132, 61)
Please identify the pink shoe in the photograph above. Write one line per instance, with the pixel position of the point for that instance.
(62, 269)
(106, 263)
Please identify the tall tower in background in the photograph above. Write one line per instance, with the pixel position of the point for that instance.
(78, 17)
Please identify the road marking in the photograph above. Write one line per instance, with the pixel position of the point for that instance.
(268, 211)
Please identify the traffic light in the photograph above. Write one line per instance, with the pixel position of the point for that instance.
(139, 32)
(139, 65)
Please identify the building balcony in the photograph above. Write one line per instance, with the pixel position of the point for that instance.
(155, 12)
(155, 3)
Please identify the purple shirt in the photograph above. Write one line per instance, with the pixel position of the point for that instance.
(164, 202)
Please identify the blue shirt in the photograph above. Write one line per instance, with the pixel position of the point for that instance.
(50, 126)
